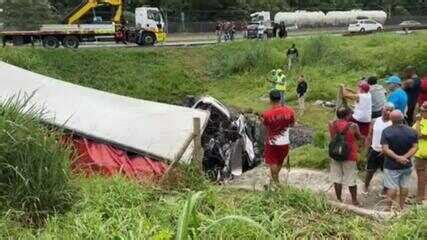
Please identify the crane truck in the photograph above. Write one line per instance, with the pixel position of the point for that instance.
(149, 27)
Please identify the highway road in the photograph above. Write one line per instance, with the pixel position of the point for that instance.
(198, 39)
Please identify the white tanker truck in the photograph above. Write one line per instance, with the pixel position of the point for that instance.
(302, 18)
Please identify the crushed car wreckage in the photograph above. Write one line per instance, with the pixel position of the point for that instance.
(233, 142)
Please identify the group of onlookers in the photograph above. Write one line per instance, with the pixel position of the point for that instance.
(393, 127)
(225, 31)
(389, 123)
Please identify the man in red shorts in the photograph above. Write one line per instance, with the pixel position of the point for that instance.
(277, 121)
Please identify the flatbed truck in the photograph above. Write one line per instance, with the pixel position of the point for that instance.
(149, 29)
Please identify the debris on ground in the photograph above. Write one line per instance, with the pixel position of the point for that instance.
(300, 135)
(325, 104)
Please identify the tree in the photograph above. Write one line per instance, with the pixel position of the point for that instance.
(26, 15)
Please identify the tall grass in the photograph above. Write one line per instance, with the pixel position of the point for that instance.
(412, 225)
(247, 58)
(34, 167)
(187, 218)
(117, 208)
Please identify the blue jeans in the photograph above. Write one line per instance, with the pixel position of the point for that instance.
(395, 179)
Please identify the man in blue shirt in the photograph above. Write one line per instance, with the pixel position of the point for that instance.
(397, 96)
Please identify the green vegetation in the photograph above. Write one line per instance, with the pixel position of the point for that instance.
(167, 75)
(34, 168)
(116, 208)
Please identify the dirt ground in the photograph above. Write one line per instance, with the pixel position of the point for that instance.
(317, 181)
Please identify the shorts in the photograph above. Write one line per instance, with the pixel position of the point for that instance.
(375, 160)
(275, 155)
(343, 172)
(395, 179)
(363, 127)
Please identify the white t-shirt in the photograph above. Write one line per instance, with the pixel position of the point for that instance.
(363, 108)
(377, 131)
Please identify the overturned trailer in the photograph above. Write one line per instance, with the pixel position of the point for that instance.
(233, 142)
(116, 124)
(152, 129)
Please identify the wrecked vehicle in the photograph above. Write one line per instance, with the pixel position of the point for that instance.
(232, 142)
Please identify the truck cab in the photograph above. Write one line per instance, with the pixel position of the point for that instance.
(260, 25)
(93, 20)
(151, 21)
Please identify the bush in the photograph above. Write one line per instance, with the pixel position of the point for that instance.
(34, 168)
(319, 50)
(246, 59)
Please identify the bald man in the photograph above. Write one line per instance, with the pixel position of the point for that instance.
(399, 145)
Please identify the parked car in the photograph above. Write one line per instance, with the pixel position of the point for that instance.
(365, 25)
(409, 23)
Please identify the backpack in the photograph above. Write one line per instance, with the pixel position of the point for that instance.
(338, 147)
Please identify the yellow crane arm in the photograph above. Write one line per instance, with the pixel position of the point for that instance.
(117, 18)
(88, 5)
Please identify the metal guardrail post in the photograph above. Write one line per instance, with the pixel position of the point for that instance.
(198, 150)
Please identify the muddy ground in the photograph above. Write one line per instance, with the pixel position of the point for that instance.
(317, 181)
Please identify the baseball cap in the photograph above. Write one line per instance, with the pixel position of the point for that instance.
(393, 80)
(364, 87)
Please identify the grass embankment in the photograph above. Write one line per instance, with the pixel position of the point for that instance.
(235, 73)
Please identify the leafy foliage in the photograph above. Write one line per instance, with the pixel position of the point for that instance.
(20, 15)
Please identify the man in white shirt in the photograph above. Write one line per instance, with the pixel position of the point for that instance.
(375, 154)
(362, 113)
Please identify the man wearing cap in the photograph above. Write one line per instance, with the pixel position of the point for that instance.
(399, 145)
(362, 113)
(397, 96)
(375, 154)
(412, 86)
